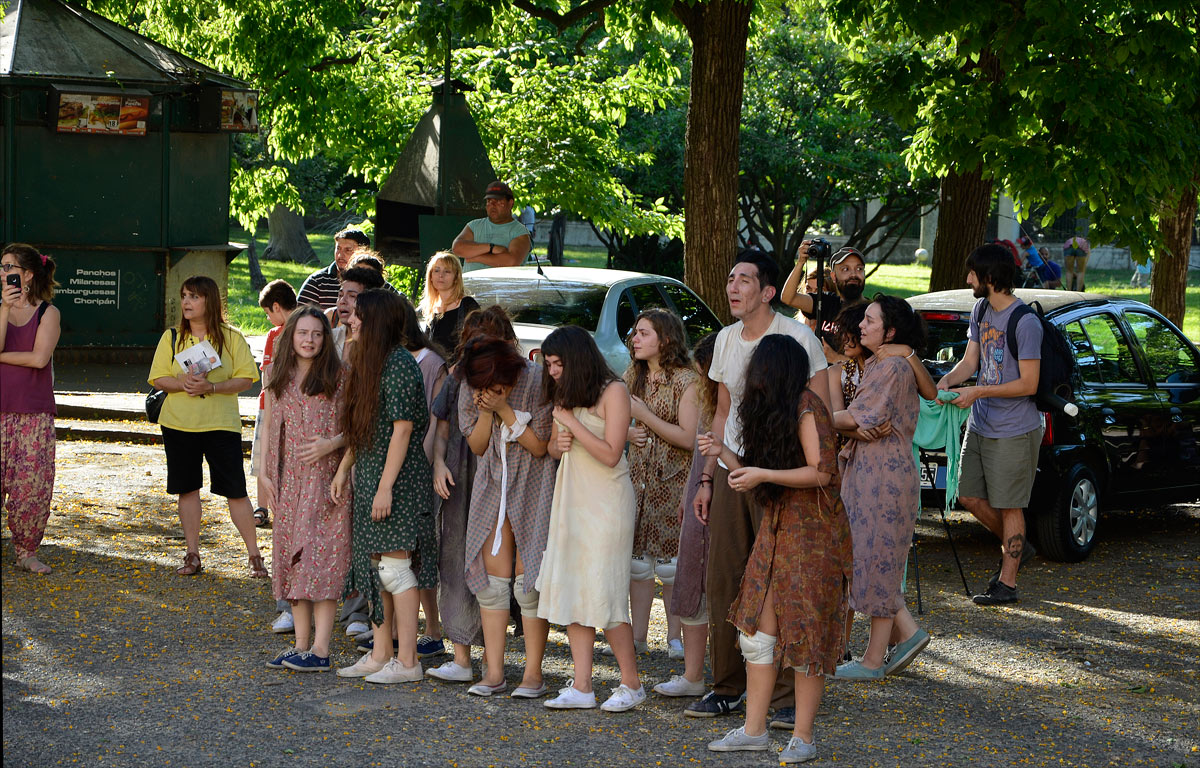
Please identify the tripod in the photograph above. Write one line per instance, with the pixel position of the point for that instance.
(917, 564)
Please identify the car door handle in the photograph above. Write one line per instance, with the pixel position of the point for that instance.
(1110, 416)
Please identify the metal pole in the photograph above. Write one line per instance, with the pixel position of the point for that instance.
(441, 183)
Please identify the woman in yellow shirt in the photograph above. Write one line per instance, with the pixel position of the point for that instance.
(200, 419)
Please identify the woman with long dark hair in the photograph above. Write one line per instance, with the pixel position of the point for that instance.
(791, 608)
(506, 419)
(29, 331)
(394, 539)
(200, 419)
(312, 531)
(881, 487)
(584, 581)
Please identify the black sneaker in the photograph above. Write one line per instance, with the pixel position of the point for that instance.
(997, 594)
(784, 718)
(1027, 554)
(366, 646)
(714, 705)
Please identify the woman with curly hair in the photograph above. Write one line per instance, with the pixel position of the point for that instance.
(881, 487)
(394, 540)
(791, 608)
(29, 331)
(662, 388)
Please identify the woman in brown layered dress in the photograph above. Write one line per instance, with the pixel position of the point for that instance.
(792, 605)
(662, 385)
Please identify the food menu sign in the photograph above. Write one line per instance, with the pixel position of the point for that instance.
(239, 111)
(116, 114)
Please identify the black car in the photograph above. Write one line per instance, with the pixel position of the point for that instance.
(1133, 442)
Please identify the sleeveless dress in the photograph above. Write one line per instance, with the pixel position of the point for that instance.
(584, 578)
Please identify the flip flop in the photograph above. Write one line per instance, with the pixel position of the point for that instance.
(33, 565)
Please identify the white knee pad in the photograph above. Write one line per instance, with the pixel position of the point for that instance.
(758, 648)
(664, 569)
(396, 574)
(527, 600)
(495, 596)
(640, 569)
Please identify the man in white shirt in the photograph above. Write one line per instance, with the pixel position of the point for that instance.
(732, 516)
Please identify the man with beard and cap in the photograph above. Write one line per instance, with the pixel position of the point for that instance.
(1004, 430)
(849, 282)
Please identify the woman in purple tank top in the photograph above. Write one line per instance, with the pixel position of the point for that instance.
(29, 330)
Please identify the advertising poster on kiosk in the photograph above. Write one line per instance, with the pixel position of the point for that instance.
(104, 113)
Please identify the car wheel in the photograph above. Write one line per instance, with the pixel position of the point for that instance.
(1066, 531)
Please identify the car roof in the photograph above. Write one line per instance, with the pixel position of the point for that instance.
(590, 275)
(963, 299)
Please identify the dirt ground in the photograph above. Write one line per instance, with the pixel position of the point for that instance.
(114, 660)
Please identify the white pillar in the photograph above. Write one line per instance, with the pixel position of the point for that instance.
(1007, 228)
(873, 207)
(929, 223)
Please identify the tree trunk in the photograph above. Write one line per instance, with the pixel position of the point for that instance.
(287, 240)
(1168, 281)
(966, 200)
(718, 30)
(257, 281)
(558, 237)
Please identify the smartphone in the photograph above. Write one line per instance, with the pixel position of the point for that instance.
(13, 280)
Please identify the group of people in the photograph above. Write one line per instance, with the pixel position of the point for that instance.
(419, 461)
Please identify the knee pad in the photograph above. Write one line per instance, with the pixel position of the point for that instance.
(758, 648)
(396, 574)
(528, 600)
(495, 596)
(664, 569)
(640, 569)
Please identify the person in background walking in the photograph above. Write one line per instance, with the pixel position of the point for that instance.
(29, 331)
(791, 608)
(393, 530)
(662, 387)
(312, 531)
(584, 579)
(200, 419)
(445, 305)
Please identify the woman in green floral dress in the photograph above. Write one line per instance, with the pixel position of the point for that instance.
(393, 533)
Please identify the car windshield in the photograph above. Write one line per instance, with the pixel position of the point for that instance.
(541, 302)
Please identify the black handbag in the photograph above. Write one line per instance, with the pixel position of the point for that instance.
(156, 398)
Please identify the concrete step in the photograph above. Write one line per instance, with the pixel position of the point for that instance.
(126, 406)
(116, 430)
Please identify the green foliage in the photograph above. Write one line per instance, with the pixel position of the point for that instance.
(408, 280)
(1060, 102)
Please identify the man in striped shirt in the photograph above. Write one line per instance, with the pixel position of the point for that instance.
(321, 287)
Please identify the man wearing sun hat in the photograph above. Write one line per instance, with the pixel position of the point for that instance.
(496, 240)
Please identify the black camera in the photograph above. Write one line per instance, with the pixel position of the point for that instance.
(819, 248)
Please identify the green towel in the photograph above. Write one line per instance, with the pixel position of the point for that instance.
(940, 426)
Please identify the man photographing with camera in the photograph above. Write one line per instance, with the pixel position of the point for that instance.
(849, 282)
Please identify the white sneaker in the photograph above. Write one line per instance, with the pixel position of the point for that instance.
(639, 647)
(679, 685)
(356, 628)
(451, 672)
(395, 672)
(572, 698)
(675, 648)
(283, 624)
(361, 668)
(624, 698)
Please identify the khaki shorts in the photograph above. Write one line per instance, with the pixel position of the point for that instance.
(1000, 469)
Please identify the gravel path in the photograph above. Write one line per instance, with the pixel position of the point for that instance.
(114, 660)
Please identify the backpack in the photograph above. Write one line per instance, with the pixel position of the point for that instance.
(1056, 381)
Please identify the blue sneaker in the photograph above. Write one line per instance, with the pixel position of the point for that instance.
(430, 646)
(277, 662)
(784, 719)
(307, 661)
(366, 646)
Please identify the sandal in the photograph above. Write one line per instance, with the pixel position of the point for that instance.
(258, 570)
(191, 565)
(262, 518)
(33, 565)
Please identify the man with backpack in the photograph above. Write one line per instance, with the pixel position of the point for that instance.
(1004, 431)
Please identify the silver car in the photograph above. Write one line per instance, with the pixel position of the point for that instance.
(602, 301)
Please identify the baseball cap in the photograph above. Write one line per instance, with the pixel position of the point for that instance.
(498, 190)
(845, 253)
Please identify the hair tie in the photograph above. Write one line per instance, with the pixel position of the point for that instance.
(43, 258)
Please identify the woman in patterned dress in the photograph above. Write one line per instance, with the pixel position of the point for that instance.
(881, 487)
(791, 608)
(394, 539)
(662, 387)
(312, 531)
(506, 420)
